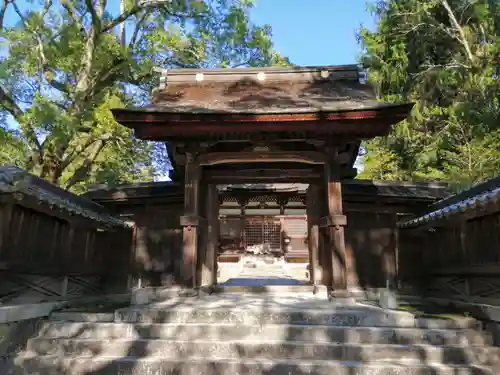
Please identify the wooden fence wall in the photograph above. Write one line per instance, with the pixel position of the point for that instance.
(43, 256)
(458, 255)
(157, 245)
(371, 246)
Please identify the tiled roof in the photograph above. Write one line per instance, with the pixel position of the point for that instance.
(15, 180)
(484, 195)
(431, 191)
(263, 90)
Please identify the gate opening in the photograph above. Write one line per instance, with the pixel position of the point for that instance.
(263, 250)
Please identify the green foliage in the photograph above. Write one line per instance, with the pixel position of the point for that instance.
(443, 55)
(68, 62)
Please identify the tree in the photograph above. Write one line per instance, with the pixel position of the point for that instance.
(442, 54)
(69, 61)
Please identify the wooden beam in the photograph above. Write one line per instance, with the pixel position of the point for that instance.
(262, 175)
(306, 157)
(177, 121)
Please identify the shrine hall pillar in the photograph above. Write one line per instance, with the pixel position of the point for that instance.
(191, 220)
(313, 202)
(333, 225)
(209, 257)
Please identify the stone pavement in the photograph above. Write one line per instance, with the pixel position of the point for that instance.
(254, 270)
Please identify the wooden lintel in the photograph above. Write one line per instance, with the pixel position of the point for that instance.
(306, 157)
(265, 175)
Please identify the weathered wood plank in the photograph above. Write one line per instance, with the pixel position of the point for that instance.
(306, 157)
(245, 176)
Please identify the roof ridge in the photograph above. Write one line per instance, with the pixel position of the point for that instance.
(263, 74)
(281, 69)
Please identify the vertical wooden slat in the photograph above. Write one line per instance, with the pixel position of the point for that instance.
(18, 236)
(73, 255)
(5, 233)
(35, 235)
(53, 241)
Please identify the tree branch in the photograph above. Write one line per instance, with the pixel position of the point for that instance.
(71, 12)
(462, 38)
(77, 151)
(83, 171)
(137, 29)
(10, 105)
(84, 72)
(122, 18)
(3, 10)
(133, 11)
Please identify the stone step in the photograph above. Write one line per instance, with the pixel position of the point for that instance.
(362, 335)
(51, 365)
(369, 317)
(448, 323)
(239, 349)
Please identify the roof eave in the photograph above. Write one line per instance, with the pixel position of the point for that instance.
(132, 117)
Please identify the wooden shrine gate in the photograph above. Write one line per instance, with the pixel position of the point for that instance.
(249, 127)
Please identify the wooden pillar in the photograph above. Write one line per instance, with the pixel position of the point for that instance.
(334, 223)
(209, 262)
(243, 202)
(190, 221)
(313, 215)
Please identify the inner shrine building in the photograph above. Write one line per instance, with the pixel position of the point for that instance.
(227, 129)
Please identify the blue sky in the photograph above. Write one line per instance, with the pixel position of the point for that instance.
(315, 32)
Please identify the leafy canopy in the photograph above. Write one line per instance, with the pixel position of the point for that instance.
(65, 63)
(443, 55)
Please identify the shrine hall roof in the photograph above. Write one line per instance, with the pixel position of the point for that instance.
(263, 91)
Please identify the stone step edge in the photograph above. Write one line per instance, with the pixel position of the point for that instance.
(335, 309)
(216, 325)
(245, 361)
(259, 342)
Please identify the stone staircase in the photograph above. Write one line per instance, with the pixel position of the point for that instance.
(258, 334)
